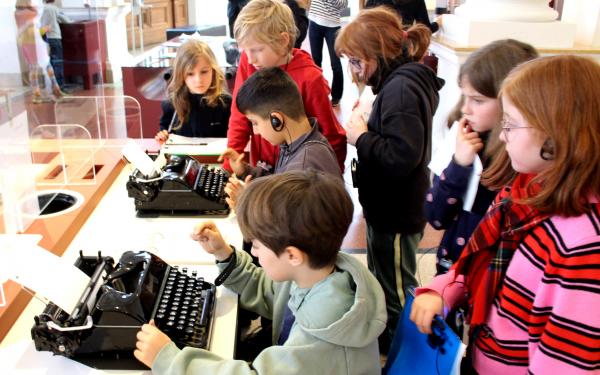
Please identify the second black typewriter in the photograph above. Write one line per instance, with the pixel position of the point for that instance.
(184, 187)
(101, 330)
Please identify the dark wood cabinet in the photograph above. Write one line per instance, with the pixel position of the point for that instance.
(84, 50)
(157, 17)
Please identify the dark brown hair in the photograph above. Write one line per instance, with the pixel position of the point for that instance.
(378, 33)
(268, 90)
(560, 97)
(310, 210)
(485, 69)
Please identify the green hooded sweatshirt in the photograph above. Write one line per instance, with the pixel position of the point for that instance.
(337, 324)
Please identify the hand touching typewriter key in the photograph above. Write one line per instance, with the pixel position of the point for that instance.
(150, 341)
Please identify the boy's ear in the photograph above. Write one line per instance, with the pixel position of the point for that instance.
(295, 256)
(285, 39)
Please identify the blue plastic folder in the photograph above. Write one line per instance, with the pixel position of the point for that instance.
(415, 353)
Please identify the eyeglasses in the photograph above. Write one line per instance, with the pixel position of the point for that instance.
(356, 64)
(507, 126)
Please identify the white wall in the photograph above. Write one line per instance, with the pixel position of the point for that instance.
(9, 64)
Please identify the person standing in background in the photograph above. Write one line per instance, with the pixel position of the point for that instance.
(51, 17)
(410, 11)
(233, 10)
(33, 49)
(324, 16)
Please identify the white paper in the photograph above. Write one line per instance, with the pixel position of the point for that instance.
(51, 277)
(443, 156)
(136, 156)
(364, 107)
(180, 145)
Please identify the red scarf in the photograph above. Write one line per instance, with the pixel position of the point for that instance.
(486, 257)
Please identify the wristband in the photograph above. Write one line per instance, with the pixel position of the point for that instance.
(227, 271)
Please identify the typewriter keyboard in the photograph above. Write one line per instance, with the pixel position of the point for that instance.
(211, 183)
(185, 308)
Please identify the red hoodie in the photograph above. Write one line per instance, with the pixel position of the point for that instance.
(315, 95)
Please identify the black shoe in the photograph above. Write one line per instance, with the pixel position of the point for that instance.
(335, 102)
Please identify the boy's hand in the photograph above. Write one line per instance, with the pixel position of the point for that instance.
(150, 341)
(234, 188)
(468, 144)
(211, 240)
(236, 161)
(162, 136)
(424, 308)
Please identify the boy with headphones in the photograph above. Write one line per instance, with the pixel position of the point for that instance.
(327, 308)
(271, 101)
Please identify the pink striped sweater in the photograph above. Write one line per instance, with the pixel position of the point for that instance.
(546, 317)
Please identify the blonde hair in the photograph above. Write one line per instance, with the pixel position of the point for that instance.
(188, 56)
(378, 33)
(560, 97)
(265, 20)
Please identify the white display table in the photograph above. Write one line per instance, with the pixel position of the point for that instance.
(113, 228)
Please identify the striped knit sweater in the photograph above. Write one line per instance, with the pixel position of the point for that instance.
(546, 317)
(327, 12)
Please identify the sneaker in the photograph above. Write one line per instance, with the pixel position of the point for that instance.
(335, 103)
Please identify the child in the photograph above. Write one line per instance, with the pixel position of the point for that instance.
(198, 104)
(457, 201)
(393, 146)
(324, 16)
(530, 271)
(271, 101)
(266, 32)
(51, 17)
(327, 309)
(34, 50)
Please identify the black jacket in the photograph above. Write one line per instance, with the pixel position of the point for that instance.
(409, 10)
(393, 155)
(203, 121)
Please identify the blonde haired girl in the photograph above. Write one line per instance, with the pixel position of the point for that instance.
(198, 104)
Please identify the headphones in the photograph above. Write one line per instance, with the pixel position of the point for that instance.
(276, 122)
(547, 150)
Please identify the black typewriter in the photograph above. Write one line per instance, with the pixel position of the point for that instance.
(184, 187)
(101, 330)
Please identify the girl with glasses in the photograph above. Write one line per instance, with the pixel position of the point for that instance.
(393, 144)
(530, 270)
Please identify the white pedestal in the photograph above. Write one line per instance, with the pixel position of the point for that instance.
(475, 33)
(585, 14)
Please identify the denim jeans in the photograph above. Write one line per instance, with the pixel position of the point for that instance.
(56, 60)
(316, 35)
